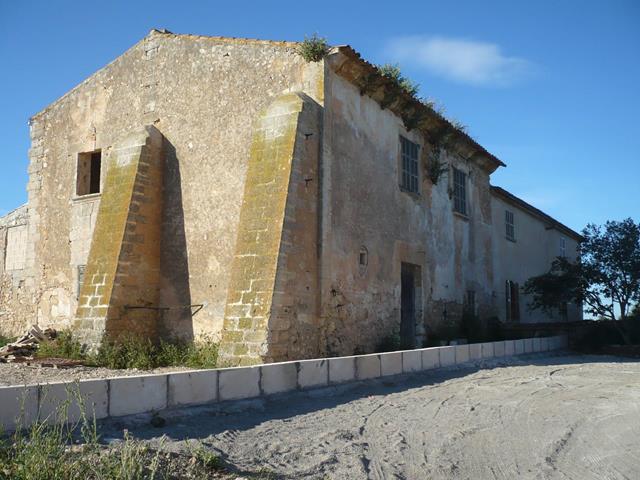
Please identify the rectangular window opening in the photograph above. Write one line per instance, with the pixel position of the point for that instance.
(510, 225)
(459, 191)
(409, 157)
(88, 173)
(563, 247)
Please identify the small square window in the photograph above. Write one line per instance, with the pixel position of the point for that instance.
(409, 157)
(88, 173)
(510, 225)
(459, 191)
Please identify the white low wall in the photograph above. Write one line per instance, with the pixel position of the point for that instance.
(114, 397)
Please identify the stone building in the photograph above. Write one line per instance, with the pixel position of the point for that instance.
(227, 187)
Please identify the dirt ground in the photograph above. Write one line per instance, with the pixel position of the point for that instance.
(565, 416)
(21, 374)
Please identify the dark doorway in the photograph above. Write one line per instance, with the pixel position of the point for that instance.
(408, 306)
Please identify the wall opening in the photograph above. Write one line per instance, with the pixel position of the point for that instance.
(363, 260)
(410, 303)
(88, 173)
(80, 276)
(512, 296)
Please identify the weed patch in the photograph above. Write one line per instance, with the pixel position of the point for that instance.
(74, 451)
(135, 352)
(314, 48)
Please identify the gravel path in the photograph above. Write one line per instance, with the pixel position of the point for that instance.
(566, 417)
(21, 374)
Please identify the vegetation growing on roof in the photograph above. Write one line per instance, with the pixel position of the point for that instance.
(393, 72)
(314, 48)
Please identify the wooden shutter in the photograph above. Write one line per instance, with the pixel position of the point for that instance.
(515, 301)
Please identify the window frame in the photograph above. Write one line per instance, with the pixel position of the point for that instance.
(409, 166)
(510, 225)
(563, 247)
(460, 203)
(88, 174)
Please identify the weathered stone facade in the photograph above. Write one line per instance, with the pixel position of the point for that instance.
(17, 300)
(248, 194)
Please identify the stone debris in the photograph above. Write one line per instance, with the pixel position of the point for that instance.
(23, 349)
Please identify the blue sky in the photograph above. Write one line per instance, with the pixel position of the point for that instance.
(550, 87)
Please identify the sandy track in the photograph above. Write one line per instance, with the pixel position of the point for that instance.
(566, 417)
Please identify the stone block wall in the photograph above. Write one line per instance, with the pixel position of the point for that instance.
(16, 282)
(280, 189)
(120, 293)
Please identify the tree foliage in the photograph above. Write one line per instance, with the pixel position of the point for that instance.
(606, 274)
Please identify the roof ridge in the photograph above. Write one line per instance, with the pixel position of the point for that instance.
(164, 31)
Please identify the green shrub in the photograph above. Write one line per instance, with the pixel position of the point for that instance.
(63, 346)
(135, 352)
(127, 352)
(72, 450)
(4, 340)
(393, 72)
(143, 354)
(314, 48)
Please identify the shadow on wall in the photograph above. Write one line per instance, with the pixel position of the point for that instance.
(176, 321)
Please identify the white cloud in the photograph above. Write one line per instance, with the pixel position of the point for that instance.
(464, 61)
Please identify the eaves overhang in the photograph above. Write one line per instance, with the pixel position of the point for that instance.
(350, 65)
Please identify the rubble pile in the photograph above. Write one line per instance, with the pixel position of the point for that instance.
(23, 349)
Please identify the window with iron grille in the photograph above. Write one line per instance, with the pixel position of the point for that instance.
(459, 191)
(510, 225)
(409, 156)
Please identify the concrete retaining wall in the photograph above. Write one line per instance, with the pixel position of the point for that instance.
(114, 397)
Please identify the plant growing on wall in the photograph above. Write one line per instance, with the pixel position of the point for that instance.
(393, 72)
(435, 167)
(314, 48)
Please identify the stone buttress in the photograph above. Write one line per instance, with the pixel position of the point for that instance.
(123, 270)
(272, 303)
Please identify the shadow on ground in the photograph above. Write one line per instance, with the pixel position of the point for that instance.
(187, 422)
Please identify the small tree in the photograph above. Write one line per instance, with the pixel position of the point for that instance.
(606, 274)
